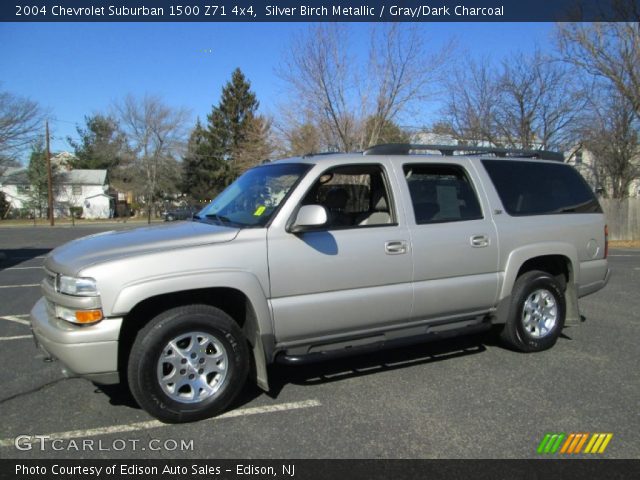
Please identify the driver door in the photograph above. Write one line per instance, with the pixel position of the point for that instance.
(349, 277)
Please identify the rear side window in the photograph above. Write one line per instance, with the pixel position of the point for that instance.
(441, 193)
(536, 188)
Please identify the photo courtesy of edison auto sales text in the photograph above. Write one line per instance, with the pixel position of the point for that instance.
(134, 469)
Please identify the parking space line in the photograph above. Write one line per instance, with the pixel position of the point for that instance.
(17, 337)
(26, 285)
(16, 319)
(133, 427)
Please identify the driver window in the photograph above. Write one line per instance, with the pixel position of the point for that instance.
(354, 196)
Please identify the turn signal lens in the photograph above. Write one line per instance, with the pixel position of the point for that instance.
(83, 317)
(88, 316)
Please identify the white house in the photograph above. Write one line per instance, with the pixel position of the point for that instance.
(585, 162)
(86, 189)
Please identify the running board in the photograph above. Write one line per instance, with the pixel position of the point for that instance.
(335, 353)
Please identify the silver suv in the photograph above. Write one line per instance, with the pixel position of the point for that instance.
(315, 257)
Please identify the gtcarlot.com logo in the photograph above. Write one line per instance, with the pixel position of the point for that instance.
(574, 443)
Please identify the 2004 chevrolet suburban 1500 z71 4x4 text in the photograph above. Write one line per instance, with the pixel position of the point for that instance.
(313, 257)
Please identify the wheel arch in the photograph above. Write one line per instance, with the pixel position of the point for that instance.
(558, 259)
(242, 299)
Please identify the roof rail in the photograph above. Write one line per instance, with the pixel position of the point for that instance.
(406, 148)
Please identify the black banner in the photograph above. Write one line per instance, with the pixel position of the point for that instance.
(317, 10)
(321, 469)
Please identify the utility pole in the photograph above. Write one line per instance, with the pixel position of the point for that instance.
(49, 179)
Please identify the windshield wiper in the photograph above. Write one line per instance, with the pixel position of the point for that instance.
(219, 218)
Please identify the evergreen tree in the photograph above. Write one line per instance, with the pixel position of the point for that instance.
(203, 172)
(235, 138)
(387, 132)
(4, 205)
(101, 146)
(234, 123)
(38, 179)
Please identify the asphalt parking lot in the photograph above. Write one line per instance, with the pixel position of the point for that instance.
(461, 398)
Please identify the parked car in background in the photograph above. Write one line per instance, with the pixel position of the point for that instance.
(180, 213)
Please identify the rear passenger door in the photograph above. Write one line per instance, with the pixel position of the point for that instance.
(454, 239)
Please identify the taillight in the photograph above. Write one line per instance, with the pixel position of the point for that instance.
(606, 241)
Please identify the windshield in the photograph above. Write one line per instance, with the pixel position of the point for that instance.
(254, 197)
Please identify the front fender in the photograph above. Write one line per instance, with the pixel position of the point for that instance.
(258, 327)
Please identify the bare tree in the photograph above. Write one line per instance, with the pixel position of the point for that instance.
(20, 122)
(471, 107)
(402, 75)
(610, 51)
(156, 134)
(319, 72)
(539, 103)
(611, 134)
(608, 54)
(529, 102)
(348, 109)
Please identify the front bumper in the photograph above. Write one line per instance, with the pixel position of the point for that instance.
(89, 351)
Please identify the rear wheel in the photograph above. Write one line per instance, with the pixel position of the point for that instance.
(537, 313)
(188, 363)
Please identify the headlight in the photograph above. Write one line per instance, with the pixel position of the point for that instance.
(81, 287)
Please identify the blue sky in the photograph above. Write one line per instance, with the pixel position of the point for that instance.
(76, 69)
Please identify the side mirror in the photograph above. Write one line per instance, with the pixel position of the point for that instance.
(309, 217)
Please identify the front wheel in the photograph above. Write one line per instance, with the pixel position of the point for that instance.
(188, 363)
(537, 313)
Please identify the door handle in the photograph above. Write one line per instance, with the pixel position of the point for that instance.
(479, 241)
(395, 247)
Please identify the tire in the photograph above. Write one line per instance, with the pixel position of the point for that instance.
(188, 363)
(537, 313)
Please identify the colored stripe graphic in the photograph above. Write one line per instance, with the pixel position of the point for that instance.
(550, 443)
(573, 443)
(598, 442)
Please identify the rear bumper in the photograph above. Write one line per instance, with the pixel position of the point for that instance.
(594, 286)
(88, 351)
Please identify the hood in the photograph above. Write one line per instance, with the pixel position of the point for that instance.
(71, 257)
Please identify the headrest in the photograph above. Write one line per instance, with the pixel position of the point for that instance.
(336, 198)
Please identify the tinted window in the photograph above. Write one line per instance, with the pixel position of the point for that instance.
(354, 196)
(441, 193)
(535, 188)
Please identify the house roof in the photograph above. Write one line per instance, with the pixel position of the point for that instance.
(14, 176)
(18, 176)
(83, 177)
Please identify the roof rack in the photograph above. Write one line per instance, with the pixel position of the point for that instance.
(406, 148)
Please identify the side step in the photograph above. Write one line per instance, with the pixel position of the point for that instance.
(332, 354)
